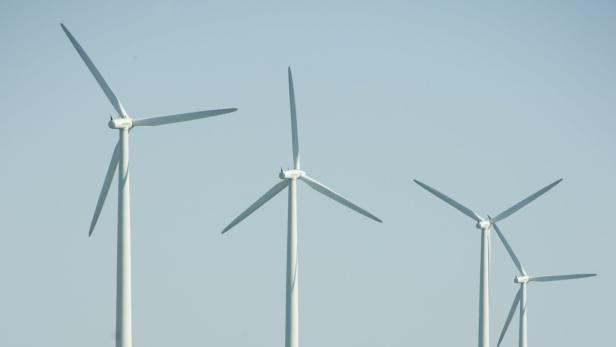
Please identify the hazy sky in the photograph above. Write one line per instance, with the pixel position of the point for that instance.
(486, 102)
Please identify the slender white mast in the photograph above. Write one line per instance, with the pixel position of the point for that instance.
(124, 284)
(523, 320)
(484, 289)
(292, 302)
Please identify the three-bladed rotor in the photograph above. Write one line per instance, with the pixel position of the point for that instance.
(297, 174)
(124, 122)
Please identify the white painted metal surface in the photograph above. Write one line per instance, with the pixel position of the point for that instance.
(484, 288)
(292, 300)
(523, 335)
(124, 291)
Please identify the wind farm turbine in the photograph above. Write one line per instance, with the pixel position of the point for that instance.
(520, 299)
(485, 224)
(289, 179)
(124, 124)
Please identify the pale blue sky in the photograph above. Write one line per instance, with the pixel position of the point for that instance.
(487, 102)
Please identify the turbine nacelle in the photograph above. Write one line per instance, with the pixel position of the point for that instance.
(521, 279)
(483, 224)
(120, 123)
(291, 174)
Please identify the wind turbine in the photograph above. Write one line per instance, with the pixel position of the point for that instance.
(289, 179)
(484, 224)
(520, 299)
(120, 158)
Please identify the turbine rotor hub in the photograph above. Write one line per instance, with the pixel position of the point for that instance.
(120, 123)
(520, 279)
(290, 174)
(483, 224)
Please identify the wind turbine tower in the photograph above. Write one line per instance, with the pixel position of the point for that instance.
(119, 158)
(289, 179)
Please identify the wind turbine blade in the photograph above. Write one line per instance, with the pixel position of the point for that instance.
(508, 212)
(558, 277)
(183, 117)
(515, 259)
(458, 206)
(510, 315)
(262, 200)
(113, 164)
(293, 123)
(99, 78)
(337, 197)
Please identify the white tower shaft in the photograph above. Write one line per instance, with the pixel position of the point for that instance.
(292, 304)
(523, 319)
(124, 336)
(484, 293)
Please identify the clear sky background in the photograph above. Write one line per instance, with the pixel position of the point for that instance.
(486, 102)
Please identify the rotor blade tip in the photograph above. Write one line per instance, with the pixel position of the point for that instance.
(420, 183)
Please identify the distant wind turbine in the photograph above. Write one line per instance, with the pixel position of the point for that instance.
(485, 225)
(120, 158)
(289, 179)
(520, 299)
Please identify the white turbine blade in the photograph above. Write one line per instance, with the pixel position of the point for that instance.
(262, 200)
(337, 197)
(183, 117)
(113, 164)
(515, 259)
(510, 315)
(558, 277)
(293, 123)
(99, 78)
(458, 206)
(508, 212)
